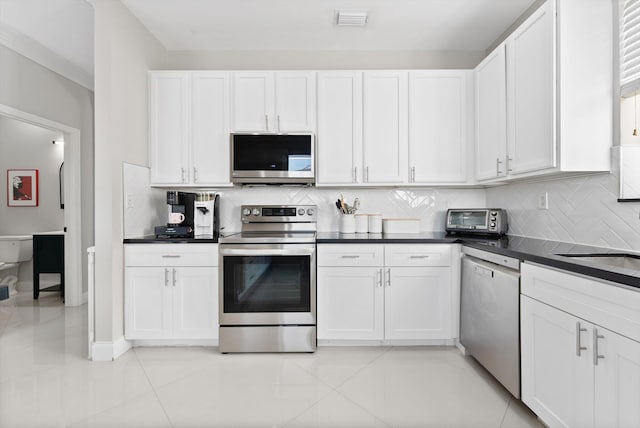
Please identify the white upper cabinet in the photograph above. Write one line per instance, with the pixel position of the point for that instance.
(559, 94)
(530, 94)
(339, 138)
(491, 115)
(210, 128)
(295, 101)
(168, 126)
(385, 123)
(189, 128)
(267, 101)
(439, 125)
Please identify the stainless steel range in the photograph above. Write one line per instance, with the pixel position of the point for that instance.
(268, 281)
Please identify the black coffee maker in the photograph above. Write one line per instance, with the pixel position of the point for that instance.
(179, 216)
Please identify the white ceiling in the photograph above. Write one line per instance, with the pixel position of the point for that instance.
(65, 27)
(411, 25)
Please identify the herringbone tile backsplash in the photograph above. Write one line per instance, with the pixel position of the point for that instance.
(428, 205)
(581, 209)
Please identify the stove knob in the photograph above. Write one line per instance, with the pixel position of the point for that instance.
(310, 211)
(300, 211)
(255, 211)
(246, 212)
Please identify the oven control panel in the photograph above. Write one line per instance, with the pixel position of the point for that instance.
(278, 213)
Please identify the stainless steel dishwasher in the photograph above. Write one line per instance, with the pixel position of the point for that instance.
(490, 314)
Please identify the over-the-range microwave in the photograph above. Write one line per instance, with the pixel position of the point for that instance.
(489, 221)
(273, 158)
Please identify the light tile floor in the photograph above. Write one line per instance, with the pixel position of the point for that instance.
(46, 381)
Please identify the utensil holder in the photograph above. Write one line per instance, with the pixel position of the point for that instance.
(347, 223)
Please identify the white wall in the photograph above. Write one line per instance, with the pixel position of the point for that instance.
(32, 88)
(124, 52)
(321, 60)
(24, 146)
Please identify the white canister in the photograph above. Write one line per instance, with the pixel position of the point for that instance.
(362, 223)
(347, 223)
(375, 223)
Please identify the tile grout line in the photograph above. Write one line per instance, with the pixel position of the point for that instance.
(153, 388)
(505, 412)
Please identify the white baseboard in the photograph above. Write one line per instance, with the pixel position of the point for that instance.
(109, 351)
(174, 342)
(347, 342)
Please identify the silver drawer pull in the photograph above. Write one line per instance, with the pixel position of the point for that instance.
(579, 346)
(596, 356)
(350, 257)
(418, 257)
(171, 256)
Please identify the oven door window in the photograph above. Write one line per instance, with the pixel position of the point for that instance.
(267, 284)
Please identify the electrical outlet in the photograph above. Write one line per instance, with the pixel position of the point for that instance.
(543, 201)
(130, 203)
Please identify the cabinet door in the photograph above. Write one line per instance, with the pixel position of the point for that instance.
(195, 302)
(557, 383)
(253, 101)
(417, 303)
(295, 101)
(491, 115)
(147, 302)
(617, 381)
(438, 127)
(530, 94)
(339, 137)
(350, 303)
(168, 126)
(210, 128)
(385, 127)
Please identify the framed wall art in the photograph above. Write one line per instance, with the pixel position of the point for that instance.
(22, 187)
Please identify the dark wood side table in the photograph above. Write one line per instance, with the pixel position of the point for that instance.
(48, 257)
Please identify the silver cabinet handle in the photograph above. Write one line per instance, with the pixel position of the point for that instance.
(379, 277)
(389, 277)
(174, 277)
(355, 174)
(182, 175)
(509, 160)
(195, 175)
(171, 256)
(166, 277)
(579, 347)
(413, 174)
(418, 257)
(366, 174)
(498, 162)
(350, 257)
(266, 121)
(278, 119)
(596, 357)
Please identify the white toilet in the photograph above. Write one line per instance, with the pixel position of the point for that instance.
(13, 250)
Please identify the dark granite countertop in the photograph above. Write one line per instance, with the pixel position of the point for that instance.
(151, 239)
(540, 251)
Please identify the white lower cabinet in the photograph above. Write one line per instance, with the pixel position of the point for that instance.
(576, 372)
(171, 293)
(384, 292)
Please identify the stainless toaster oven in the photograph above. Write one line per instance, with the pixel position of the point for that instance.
(490, 221)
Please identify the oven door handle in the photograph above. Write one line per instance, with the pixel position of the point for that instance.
(267, 252)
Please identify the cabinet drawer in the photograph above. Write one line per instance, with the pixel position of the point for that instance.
(610, 306)
(171, 255)
(350, 255)
(417, 255)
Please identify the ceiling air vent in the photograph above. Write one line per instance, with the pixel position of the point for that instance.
(351, 18)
